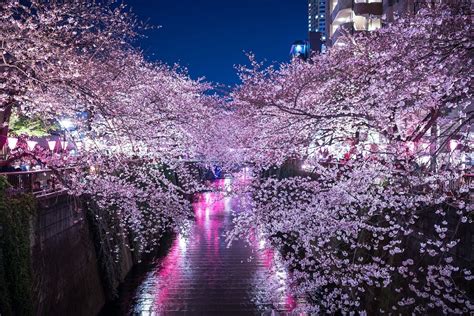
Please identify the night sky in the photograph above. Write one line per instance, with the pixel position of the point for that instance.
(209, 37)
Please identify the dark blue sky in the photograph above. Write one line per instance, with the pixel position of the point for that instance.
(209, 36)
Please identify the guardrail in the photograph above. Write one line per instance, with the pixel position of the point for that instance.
(39, 182)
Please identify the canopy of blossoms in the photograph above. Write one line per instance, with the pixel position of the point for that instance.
(363, 157)
(359, 154)
(135, 123)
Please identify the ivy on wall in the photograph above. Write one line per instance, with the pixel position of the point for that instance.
(15, 264)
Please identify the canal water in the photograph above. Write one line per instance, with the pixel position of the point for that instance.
(198, 274)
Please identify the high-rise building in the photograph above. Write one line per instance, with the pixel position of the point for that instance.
(352, 15)
(364, 15)
(328, 19)
(317, 16)
(317, 24)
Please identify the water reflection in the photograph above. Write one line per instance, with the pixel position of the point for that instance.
(200, 275)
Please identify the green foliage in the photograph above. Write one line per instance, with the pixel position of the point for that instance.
(15, 265)
(22, 125)
(3, 184)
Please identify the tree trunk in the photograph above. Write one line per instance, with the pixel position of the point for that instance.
(5, 114)
(434, 145)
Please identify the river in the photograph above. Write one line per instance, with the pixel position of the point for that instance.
(198, 274)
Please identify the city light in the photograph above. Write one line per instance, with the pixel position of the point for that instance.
(300, 49)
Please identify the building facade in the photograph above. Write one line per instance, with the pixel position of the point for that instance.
(317, 16)
(362, 15)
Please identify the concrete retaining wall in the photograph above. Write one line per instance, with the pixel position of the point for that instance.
(66, 277)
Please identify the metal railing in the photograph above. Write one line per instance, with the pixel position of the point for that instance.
(39, 182)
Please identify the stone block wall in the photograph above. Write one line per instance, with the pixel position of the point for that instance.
(66, 278)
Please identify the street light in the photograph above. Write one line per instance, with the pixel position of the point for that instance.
(66, 124)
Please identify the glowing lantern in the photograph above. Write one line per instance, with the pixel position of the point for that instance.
(52, 145)
(31, 144)
(12, 142)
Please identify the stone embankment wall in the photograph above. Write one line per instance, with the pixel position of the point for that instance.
(55, 257)
(59, 269)
(67, 274)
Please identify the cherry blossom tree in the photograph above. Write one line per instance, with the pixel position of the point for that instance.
(45, 46)
(133, 121)
(375, 221)
(379, 218)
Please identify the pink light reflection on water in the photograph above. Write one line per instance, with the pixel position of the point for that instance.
(275, 290)
(200, 270)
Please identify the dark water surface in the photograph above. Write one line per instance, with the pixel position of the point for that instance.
(199, 275)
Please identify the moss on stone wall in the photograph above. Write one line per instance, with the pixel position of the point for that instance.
(15, 261)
